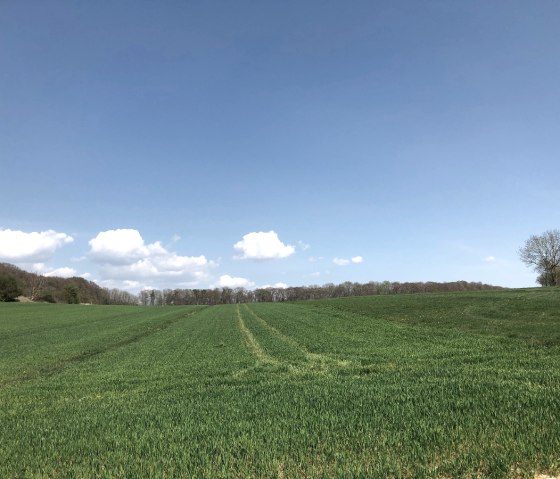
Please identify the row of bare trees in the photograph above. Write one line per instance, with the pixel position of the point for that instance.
(299, 293)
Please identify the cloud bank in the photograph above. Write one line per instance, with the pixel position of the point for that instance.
(261, 246)
(123, 255)
(34, 247)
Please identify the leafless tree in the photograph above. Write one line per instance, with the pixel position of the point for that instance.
(35, 285)
(542, 252)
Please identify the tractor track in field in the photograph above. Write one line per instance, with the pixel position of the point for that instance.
(60, 365)
(251, 343)
(313, 363)
(278, 334)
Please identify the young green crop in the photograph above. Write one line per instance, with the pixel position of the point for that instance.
(401, 386)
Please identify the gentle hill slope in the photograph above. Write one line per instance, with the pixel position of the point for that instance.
(416, 386)
(530, 314)
(53, 289)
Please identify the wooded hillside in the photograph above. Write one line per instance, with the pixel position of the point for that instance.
(62, 290)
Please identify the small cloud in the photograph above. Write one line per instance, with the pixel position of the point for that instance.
(86, 275)
(262, 245)
(227, 281)
(174, 239)
(275, 285)
(63, 272)
(38, 268)
(341, 261)
(314, 259)
(315, 274)
(489, 259)
(346, 262)
(44, 270)
(34, 247)
(303, 246)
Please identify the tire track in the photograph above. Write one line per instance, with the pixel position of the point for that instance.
(281, 336)
(251, 342)
(315, 362)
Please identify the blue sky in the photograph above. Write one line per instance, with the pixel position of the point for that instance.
(141, 142)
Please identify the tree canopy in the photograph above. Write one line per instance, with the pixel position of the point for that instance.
(9, 288)
(542, 253)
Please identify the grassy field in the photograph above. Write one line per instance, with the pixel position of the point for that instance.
(440, 386)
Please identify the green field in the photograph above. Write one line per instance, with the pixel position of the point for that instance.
(433, 385)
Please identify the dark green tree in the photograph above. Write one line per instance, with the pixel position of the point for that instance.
(9, 289)
(71, 294)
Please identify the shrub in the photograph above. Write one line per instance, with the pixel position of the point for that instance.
(47, 298)
(9, 289)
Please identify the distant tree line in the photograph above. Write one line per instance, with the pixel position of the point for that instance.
(15, 282)
(299, 293)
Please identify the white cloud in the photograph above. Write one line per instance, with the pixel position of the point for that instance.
(315, 274)
(125, 257)
(275, 285)
(43, 269)
(489, 259)
(262, 245)
(314, 259)
(38, 268)
(303, 246)
(120, 246)
(346, 262)
(341, 261)
(227, 281)
(63, 272)
(21, 247)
